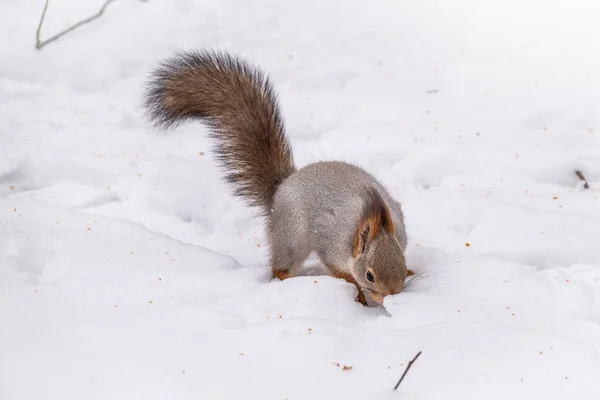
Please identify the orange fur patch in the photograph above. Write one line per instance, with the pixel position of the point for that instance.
(281, 275)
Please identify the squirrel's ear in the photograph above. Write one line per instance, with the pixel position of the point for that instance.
(375, 216)
(378, 211)
(365, 232)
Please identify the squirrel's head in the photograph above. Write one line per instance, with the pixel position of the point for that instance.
(379, 262)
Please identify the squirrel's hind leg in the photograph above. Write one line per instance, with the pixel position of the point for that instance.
(285, 262)
(287, 255)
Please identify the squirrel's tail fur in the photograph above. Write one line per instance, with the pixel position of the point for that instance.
(239, 106)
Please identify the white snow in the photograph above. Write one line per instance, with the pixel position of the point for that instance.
(128, 271)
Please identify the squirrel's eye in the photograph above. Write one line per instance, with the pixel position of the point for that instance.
(370, 277)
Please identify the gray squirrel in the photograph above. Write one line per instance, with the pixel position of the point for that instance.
(332, 208)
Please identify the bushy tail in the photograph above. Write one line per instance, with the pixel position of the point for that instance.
(237, 102)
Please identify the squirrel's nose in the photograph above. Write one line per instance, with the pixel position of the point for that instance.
(377, 298)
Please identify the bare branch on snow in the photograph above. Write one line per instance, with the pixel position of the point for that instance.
(41, 43)
(410, 363)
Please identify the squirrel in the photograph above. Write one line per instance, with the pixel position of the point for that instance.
(332, 208)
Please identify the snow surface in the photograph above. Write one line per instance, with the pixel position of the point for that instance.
(128, 271)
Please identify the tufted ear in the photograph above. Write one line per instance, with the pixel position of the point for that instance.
(375, 217)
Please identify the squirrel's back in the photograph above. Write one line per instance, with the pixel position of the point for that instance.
(332, 208)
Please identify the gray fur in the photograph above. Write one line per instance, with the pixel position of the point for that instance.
(318, 208)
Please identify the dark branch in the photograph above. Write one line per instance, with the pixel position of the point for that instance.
(582, 178)
(39, 28)
(39, 43)
(410, 363)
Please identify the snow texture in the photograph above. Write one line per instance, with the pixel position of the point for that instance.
(128, 271)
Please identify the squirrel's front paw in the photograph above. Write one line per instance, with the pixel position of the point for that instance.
(360, 297)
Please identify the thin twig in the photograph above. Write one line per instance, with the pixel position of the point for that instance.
(582, 178)
(39, 28)
(39, 43)
(410, 363)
